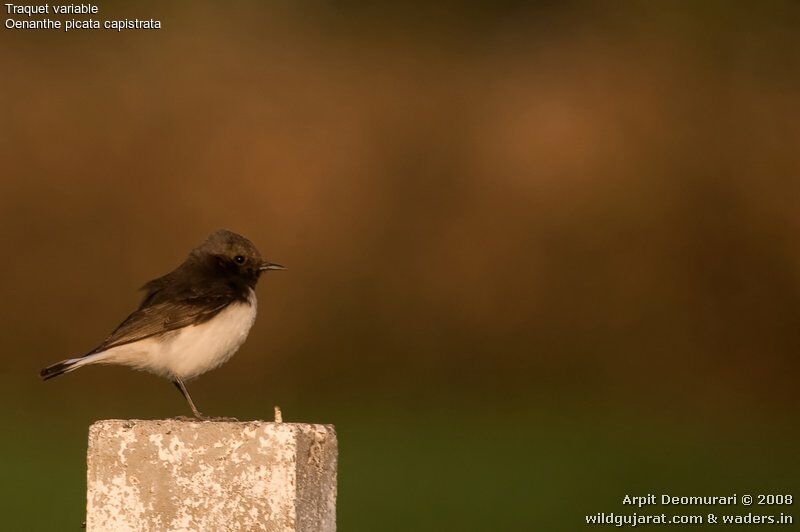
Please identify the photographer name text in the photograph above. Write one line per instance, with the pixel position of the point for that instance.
(734, 499)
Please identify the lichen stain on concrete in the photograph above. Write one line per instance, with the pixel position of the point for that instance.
(177, 475)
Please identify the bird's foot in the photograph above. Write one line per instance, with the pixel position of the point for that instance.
(229, 419)
(201, 417)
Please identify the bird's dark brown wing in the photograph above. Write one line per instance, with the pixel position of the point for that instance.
(159, 318)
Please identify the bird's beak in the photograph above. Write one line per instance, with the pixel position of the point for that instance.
(270, 266)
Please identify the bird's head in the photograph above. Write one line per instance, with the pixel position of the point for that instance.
(234, 254)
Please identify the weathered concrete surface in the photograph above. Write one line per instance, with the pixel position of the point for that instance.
(188, 475)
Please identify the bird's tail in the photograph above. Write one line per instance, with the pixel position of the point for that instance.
(65, 366)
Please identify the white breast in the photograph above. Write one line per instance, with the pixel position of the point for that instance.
(193, 350)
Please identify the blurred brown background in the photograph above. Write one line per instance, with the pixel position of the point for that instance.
(540, 255)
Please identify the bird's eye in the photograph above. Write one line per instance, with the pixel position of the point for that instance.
(239, 259)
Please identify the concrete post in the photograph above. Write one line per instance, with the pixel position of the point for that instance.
(189, 475)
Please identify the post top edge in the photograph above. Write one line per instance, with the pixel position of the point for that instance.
(130, 423)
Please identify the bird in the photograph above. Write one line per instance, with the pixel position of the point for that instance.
(191, 320)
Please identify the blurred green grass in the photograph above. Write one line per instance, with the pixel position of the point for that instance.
(423, 464)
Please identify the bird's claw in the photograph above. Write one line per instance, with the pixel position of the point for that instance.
(204, 418)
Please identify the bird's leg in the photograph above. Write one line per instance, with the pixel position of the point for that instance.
(182, 388)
